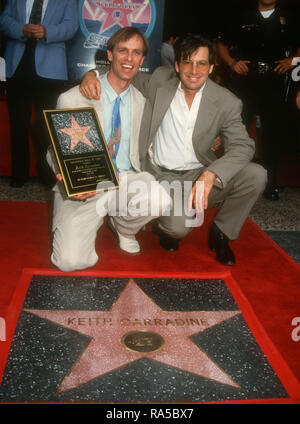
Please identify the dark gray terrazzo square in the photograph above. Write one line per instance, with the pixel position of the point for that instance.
(43, 352)
(289, 241)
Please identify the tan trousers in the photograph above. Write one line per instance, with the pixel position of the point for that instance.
(75, 223)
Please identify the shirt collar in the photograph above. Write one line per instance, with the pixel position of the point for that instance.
(111, 94)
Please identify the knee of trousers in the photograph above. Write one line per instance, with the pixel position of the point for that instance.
(155, 200)
(256, 176)
(175, 227)
(162, 200)
(69, 258)
(68, 263)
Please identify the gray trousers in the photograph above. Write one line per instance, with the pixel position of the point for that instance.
(234, 202)
(140, 199)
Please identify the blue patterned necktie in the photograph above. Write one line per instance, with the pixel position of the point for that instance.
(36, 12)
(114, 142)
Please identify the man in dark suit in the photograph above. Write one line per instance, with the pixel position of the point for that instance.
(35, 31)
(185, 111)
(258, 45)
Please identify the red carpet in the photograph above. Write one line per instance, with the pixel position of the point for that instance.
(266, 276)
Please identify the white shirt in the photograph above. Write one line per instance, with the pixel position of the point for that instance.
(173, 146)
(267, 13)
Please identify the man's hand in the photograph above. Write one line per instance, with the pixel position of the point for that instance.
(195, 198)
(84, 196)
(27, 31)
(34, 31)
(78, 196)
(218, 147)
(38, 31)
(241, 67)
(90, 86)
(284, 65)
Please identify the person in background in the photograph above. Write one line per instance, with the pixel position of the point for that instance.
(36, 32)
(258, 44)
(167, 52)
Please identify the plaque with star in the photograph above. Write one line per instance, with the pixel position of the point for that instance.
(81, 151)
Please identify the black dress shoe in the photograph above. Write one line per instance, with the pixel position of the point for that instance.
(165, 241)
(218, 242)
(17, 182)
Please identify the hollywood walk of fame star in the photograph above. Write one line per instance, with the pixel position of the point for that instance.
(117, 12)
(134, 310)
(77, 134)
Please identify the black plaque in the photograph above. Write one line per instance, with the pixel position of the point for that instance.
(81, 150)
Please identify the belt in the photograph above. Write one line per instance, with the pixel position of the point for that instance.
(174, 171)
(262, 68)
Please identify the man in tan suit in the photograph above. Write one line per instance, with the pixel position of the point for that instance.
(77, 220)
(184, 112)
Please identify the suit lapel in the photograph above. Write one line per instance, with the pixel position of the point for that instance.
(97, 104)
(137, 107)
(22, 10)
(136, 112)
(206, 114)
(164, 97)
(51, 10)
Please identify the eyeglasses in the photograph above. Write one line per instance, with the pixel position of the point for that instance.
(201, 64)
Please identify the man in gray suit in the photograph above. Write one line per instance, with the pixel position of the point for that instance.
(185, 111)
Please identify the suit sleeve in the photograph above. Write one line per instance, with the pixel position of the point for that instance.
(238, 146)
(10, 27)
(141, 82)
(67, 25)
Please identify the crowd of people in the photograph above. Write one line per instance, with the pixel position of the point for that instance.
(172, 123)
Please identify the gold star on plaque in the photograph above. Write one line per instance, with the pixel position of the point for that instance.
(77, 134)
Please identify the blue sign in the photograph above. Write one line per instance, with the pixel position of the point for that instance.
(99, 19)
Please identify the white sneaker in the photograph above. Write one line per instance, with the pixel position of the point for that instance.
(129, 243)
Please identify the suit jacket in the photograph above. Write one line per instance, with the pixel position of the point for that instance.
(219, 114)
(73, 98)
(61, 23)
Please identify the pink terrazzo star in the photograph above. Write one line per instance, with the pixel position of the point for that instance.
(135, 311)
(77, 134)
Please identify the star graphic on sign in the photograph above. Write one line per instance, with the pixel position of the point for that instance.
(125, 334)
(77, 134)
(117, 12)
